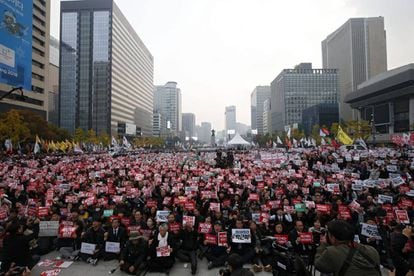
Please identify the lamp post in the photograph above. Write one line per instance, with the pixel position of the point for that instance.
(373, 128)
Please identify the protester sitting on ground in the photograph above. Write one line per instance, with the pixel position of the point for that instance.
(216, 254)
(187, 251)
(162, 250)
(94, 235)
(115, 234)
(134, 254)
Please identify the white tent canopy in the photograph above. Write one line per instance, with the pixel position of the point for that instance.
(238, 140)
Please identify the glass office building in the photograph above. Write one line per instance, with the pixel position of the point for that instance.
(106, 73)
(296, 89)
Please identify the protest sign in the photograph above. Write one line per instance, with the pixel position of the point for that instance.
(204, 228)
(370, 231)
(384, 199)
(190, 220)
(324, 208)
(112, 247)
(88, 248)
(52, 272)
(300, 207)
(162, 216)
(282, 239)
(254, 197)
(210, 239)
(108, 213)
(222, 239)
(306, 237)
(402, 216)
(174, 227)
(215, 206)
(240, 236)
(48, 228)
(164, 251)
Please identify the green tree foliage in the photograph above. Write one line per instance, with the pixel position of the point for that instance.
(315, 133)
(80, 135)
(14, 127)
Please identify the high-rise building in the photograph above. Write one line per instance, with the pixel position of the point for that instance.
(358, 49)
(294, 90)
(35, 99)
(106, 72)
(53, 82)
(230, 118)
(259, 95)
(266, 116)
(167, 102)
(204, 134)
(189, 120)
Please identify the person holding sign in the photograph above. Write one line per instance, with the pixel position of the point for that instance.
(94, 235)
(115, 234)
(188, 248)
(217, 253)
(134, 254)
(342, 256)
(162, 249)
(242, 245)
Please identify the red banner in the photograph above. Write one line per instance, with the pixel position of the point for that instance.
(281, 239)
(204, 228)
(306, 238)
(211, 239)
(222, 239)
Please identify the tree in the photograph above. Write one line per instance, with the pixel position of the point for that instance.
(334, 128)
(13, 126)
(91, 137)
(358, 129)
(80, 135)
(105, 139)
(315, 133)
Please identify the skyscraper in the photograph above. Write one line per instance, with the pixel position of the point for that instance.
(266, 116)
(294, 90)
(259, 95)
(358, 49)
(189, 122)
(37, 98)
(230, 118)
(167, 102)
(106, 73)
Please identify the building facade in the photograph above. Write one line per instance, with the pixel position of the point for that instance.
(189, 124)
(324, 114)
(358, 49)
(53, 83)
(230, 118)
(35, 100)
(167, 102)
(387, 101)
(106, 73)
(294, 90)
(259, 95)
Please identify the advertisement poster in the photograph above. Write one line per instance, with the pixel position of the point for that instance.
(16, 43)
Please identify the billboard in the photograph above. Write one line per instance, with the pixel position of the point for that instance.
(16, 43)
(130, 129)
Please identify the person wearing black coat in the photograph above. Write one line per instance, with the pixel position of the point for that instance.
(16, 248)
(94, 235)
(115, 234)
(188, 248)
(161, 239)
(134, 254)
(245, 250)
(216, 255)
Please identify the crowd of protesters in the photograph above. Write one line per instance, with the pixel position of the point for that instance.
(264, 209)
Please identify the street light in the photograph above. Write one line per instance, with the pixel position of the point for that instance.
(373, 127)
(20, 97)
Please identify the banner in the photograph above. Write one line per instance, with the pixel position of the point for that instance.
(306, 237)
(282, 239)
(384, 199)
(48, 228)
(402, 216)
(188, 220)
(204, 228)
(210, 239)
(16, 43)
(162, 216)
(241, 236)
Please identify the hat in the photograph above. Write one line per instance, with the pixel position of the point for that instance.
(134, 235)
(217, 222)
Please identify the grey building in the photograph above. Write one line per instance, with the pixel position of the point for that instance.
(259, 95)
(324, 114)
(359, 50)
(204, 134)
(388, 100)
(167, 102)
(294, 90)
(230, 118)
(189, 121)
(106, 73)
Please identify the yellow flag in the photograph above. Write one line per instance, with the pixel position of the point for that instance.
(343, 137)
(38, 140)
